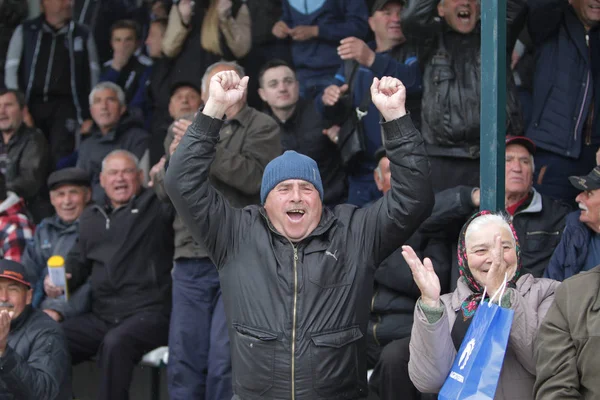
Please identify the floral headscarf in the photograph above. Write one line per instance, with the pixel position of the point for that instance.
(469, 306)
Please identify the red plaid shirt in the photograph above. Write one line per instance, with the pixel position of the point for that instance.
(15, 228)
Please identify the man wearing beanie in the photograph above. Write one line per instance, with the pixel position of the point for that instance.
(296, 277)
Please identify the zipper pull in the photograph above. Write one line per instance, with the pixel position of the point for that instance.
(587, 40)
(107, 224)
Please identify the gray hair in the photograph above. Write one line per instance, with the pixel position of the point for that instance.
(125, 153)
(236, 67)
(108, 85)
(499, 219)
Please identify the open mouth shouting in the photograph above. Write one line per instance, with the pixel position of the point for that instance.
(295, 215)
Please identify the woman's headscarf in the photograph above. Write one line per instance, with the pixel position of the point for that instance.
(469, 306)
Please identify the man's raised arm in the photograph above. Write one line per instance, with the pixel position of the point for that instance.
(205, 212)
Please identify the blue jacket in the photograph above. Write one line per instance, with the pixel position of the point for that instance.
(403, 66)
(336, 19)
(570, 254)
(566, 77)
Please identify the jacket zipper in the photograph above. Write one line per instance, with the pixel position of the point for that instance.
(49, 68)
(294, 321)
(587, 84)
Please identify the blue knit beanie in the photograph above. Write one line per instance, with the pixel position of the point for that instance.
(290, 165)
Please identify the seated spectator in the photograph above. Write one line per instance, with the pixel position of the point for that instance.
(34, 358)
(301, 126)
(126, 69)
(24, 156)
(450, 36)
(315, 29)
(113, 129)
(488, 250)
(126, 247)
(536, 217)
(55, 236)
(390, 54)
(579, 248)
(249, 141)
(566, 106)
(392, 306)
(566, 344)
(16, 228)
(53, 60)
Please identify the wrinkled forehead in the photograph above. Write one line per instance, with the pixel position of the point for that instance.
(295, 182)
(485, 234)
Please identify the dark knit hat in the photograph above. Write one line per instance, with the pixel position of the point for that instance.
(290, 165)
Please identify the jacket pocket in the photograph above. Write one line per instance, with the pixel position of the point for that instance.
(538, 241)
(253, 358)
(334, 363)
(328, 269)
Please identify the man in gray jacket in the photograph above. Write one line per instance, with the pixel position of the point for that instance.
(297, 277)
(70, 193)
(199, 355)
(34, 358)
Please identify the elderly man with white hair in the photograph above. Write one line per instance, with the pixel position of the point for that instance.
(114, 128)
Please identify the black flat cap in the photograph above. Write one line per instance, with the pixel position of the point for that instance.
(379, 4)
(189, 84)
(68, 176)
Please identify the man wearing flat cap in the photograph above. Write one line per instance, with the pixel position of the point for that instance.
(579, 248)
(69, 194)
(34, 357)
(297, 277)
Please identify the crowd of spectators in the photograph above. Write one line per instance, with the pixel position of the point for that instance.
(97, 95)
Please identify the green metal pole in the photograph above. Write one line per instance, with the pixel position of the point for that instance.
(493, 103)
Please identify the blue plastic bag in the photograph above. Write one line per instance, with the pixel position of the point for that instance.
(478, 363)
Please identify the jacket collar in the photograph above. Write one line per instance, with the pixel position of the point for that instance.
(577, 32)
(60, 225)
(22, 319)
(242, 116)
(534, 206)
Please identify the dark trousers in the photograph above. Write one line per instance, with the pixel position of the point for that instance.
(118, 347)
(58, 120)
(362, 190)
(448, 172)
(199, 355)
(552, 172)
(390, 380)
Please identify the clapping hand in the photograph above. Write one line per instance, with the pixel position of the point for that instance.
(424, 276)
(499, 268)
(389, 96)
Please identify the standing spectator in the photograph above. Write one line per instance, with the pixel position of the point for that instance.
(70, 193)
(301, 127)
(126, 247)
(34, 358)
(129, 71)
(99, 16)
(113, 129)
(265, 46)
(157, 92)
(566, 91)
(297, 277)
(316, 28)
(15, 227)
(24, 157)
(12, 13)
(199, 354)
(53, 60)
(390, 54)
(451, 59)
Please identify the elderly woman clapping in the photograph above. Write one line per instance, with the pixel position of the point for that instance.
(488, 251)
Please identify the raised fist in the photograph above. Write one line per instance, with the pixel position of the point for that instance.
(389, 96)
(226, 89)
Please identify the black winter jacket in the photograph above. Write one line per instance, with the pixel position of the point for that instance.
(128, 254)
(36, 364)
(27, 167)
(450, 109)
(298, 312)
